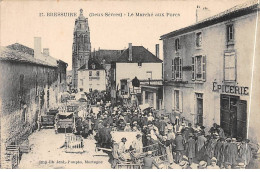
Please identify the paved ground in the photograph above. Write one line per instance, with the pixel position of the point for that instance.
(47, 154)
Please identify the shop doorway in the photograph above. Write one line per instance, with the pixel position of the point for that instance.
(233, 116)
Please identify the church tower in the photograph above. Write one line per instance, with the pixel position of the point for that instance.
(81, 47)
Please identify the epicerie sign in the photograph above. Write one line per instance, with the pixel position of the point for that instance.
(233, 89)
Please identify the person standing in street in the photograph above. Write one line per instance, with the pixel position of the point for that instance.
(179, 146)
(190, 148)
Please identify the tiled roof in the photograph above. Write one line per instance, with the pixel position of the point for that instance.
(236, 11)
(139, 55)
(9, 54)
(91, 61)
(29, 53)
(107, 55)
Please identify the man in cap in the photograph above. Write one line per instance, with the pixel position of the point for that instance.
(149, 161)
(179, 143)
(202, 165)
(190, 148)
(213, 164)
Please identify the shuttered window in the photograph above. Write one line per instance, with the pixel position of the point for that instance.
(230, 66)
(177, 68)
(198, 68)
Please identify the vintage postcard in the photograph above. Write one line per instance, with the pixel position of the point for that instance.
(130, 84)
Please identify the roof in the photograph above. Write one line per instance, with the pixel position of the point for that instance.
(9, 54)
(91, 61)
(139, 55)
(231, 13)
(107, 55)
(29, 53)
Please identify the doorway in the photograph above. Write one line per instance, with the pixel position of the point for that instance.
(233, 116)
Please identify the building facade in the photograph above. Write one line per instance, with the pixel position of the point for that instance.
(91, 77)
(29, 88)
(136, 61)
(208, 71)
(81, 48)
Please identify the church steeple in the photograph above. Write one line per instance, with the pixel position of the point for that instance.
(81, 47)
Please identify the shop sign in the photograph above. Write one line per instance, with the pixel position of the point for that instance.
(230, 89)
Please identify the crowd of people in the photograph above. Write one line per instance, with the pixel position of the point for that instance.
(182, 143)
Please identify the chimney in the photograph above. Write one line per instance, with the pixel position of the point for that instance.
(202, 13)
(130, 52)
(157, 50)
(46, 52)
(37, 47)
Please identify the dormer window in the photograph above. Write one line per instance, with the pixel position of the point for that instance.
(177, 44)
(198, 39)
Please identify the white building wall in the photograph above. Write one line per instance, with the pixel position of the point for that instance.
(85, 82)
(131, 70)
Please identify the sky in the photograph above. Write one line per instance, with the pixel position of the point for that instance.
(21, 22)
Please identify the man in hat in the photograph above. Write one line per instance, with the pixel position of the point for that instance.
(123, 155)
(202, 165)
(245, 152)
(227, 156)
(219, 152)
(233, 152)
(227, 165)
(213, 164)
(190, 148)
(149, 161)
(179, 146)
(137, 146)
(200, 149)
(127, 127)
(211, 148)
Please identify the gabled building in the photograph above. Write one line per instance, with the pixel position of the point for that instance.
(91, 76)
(135, 61)
(209, 71)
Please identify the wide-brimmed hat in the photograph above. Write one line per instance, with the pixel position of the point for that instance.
(124, 139)
(183, 163)
(138, 135)
(149, 153)
(234, 139)
(203, 164)
(213, 159)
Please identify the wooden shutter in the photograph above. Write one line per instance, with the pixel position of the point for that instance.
(173, 100)
(180, 72)
(173, 70)
(181, 100)
(193, 68)
(204, 68)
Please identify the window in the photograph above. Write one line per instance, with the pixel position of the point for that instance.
(139, 64)
(177, 44)
(177, 100)
(230, 32)
(177, 68)
(199, 68)
(97, 73)
(230, 66)
(198, 39)
(149, 74)
(90, 73)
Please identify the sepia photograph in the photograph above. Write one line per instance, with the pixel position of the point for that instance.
(127, 84)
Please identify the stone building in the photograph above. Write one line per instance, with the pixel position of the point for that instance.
(31, 84)
(81, 48)
(91, 77)
(209, 74)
